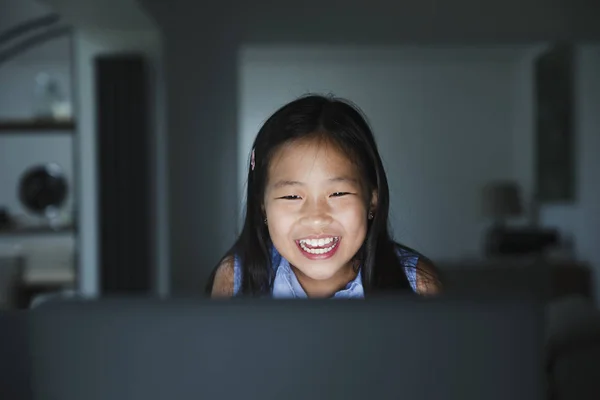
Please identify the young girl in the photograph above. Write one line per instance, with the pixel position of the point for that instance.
(316, 221)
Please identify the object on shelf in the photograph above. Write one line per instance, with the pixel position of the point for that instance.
(51, 103)
(43, 190)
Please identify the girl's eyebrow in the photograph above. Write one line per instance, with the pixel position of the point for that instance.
(343, 179)
(285, 182)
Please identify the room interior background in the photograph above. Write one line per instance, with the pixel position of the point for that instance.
(452, 118)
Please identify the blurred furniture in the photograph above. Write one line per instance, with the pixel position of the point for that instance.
(504, 241)
(15, 382)
(501, 201)
(30, 269)
(546, 279)
(50, 268)
(573, 349)
(42, 283)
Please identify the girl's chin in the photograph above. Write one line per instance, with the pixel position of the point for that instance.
(317, 273)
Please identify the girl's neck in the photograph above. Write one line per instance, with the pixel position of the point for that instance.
(326, 288)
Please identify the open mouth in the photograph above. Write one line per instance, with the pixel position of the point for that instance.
(320, 248)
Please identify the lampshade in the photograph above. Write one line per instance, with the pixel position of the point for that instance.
(502, 199)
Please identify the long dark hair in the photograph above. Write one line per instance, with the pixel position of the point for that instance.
(341, 123)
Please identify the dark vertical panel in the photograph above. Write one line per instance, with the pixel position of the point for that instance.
(123, 148)
(555, 134)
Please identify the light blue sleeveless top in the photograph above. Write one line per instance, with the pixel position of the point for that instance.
(286, 284)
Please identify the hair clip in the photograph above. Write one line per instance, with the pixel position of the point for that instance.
(252, 160)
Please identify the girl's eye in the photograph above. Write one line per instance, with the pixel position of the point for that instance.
(291, 197)
(339, 194)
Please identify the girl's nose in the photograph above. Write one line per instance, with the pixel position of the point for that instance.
(317, 216)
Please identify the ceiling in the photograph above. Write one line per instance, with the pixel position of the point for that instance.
(15, 12)
(104, 14)
(81, 14)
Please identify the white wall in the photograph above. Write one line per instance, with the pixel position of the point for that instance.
(588, 146)
(88, 45)
(442, 119)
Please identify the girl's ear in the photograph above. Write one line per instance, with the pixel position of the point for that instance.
(373, 204)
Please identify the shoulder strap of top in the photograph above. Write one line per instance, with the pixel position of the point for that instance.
(237, 275)
(409, 260)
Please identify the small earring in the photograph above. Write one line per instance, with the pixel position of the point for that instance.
(370, 215)
(265, 221)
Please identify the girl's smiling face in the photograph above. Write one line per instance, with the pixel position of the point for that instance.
(316, 208)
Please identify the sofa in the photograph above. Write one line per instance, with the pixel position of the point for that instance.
(573, 349)
(572, 324)
(14, 356)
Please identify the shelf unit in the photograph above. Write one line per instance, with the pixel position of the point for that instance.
(36, 230)
(28, 35)
(14, 126)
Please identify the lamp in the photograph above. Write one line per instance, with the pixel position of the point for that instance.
(502, 200)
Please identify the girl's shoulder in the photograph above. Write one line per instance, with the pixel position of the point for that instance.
(224, 278)
(407, 256)
(420, 271)
(408, 260)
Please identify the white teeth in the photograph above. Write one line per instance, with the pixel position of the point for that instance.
(318, 242)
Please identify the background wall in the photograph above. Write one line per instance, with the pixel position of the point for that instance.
(442, 118)
(201, 55)
(447, 121)
(198, 168)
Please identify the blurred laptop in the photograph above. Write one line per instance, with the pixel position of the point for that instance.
(396, 348)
